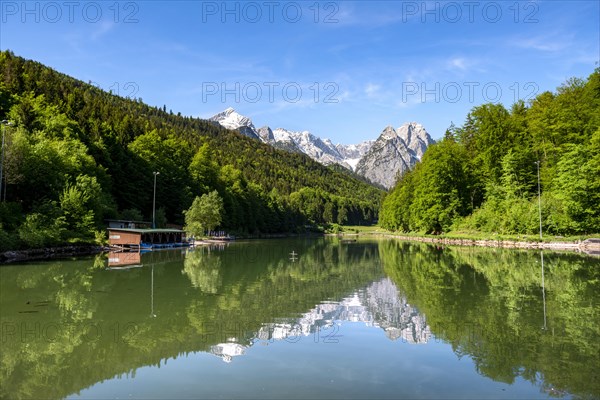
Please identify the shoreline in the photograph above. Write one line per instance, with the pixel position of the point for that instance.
(588, 246)
(68, 251)
(49, 253)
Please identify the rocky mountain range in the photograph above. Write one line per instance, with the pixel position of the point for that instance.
(380, 161)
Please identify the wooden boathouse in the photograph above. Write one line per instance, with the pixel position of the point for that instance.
(145, 238)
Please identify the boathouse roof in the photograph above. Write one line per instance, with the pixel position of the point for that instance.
(146, 230)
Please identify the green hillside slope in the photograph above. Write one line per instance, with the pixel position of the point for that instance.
(76, 155)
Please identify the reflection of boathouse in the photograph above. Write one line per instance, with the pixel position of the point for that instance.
(145, 238)
(124, 259)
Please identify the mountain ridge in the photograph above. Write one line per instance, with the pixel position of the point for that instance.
(380, 161)
(321, 150)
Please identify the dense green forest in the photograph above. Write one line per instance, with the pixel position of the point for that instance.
(76, 155)
(483, 175)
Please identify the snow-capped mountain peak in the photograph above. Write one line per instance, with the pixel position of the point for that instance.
(381, 161)
(321, 150)
(231, 119)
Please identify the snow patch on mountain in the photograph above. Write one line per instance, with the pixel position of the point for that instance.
(352, 162)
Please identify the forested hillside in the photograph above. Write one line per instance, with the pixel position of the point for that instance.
(76, 155)
(483, 175)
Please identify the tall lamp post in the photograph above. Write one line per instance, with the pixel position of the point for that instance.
(154, 202)
(5, 123)
(539, 197)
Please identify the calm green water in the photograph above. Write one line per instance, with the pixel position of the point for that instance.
(368, 319)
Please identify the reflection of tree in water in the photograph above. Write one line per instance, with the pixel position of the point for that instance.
(56, 319)
(70, 289)
(488, 304)
(203, 268)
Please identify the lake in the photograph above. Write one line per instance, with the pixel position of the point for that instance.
(303, 318)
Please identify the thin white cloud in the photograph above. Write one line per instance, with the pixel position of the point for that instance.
(372, 90)
(548, 43)
(102, 29)
(348, 15)
(464, 66)
(458, 63)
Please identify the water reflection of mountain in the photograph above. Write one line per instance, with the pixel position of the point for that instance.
(379, 305)
(228, 350)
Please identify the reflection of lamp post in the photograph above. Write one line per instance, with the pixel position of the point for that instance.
(543, 288)
(539, 197)
(152, 294)
(5, 123)
(154, 202)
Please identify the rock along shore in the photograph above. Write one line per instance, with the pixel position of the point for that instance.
(590, 246)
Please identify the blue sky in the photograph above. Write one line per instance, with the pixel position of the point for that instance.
(343, 70)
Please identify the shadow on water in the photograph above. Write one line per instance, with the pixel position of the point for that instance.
(68, 325)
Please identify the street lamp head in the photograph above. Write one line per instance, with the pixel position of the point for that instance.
(6, 122)
(156, 173)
